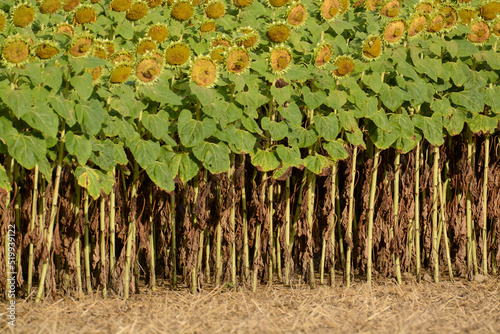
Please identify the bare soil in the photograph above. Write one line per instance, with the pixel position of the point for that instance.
(447, 307)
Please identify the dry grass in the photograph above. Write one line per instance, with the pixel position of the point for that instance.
(459, 307)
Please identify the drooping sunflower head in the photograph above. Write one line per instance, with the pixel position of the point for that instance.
(277, 3)
(49, 6)
(344, 6)
(237, 60)
(425, 6)
(490, 10)
(278, 32)
(390, 9)
(218, 54)
(81, 45)
(345, 66)
(65, 29)
(480, 32)
(221, 40)
(466, 15)
(372, 4)
(204, 71)
(247, 37)
(121, 5)
(158, 32)
(144, 45)
(123, 56)
(242, 3)
(15, 50)
(99, 51)
(372, 48)
(23, 15)
(154, 3)
(417, 24)
(147, 69)
(107, 46)
(322, 55)
(3, 20)
(450, 15)
(280, 59)
(436, 24)
(120, 73)
(297, 15)
(182, 10)
(177, 54)
(137, 11)
(215, 9)
(96, 73)
(394, 31)
(207, 26)
(45, 50)
(70, 5)
(330, 9)
(84, 14)
(495, 28)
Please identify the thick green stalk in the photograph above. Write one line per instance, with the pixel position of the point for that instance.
(207, 257)
(469, 206)
(9, 170)
(311, 183)
(271, 256)
(371, 211)
(417, 211)
(218, 244)
(34, 203)
(287, 229)
(435, 241)
(53, 213)
(152, 252)
(485, 203)
(351, 217)
(17, 211)
(112, 229)
(333, 219)
(130, 235)
(103, 242)
(339, 225)
(397, 169)
(194, 272)
(86, 245)
(199, 262)
(246, 251)
(173, 246)
(233, 222)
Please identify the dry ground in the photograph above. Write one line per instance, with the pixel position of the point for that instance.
(459, 307)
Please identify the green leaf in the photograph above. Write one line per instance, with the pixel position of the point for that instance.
(145, 151)
(160, 92)
(240, 141)
(4, 180)
(483, 124)
(457, 71)
(290, 156)
(403, 120)
(204, 95)
(193, 132)
(20, 101)
(42, 118)
(465, 48)
(356, 138)
(455, 123)
(336, 99)
(281, 95)
(347, 120)
(62, 108)
(429, 66)
(392, 97)
(160, 174)
(313, 100)
(103, 154)
(83, 85)
(469, 99)
(431, 127)
(90, 116)
(278, 130)
(188, 167)
(79, 146)
(291, 113)
(250, 124)
(27, 150)
(215, 157)
(52, 77)
(380, 138)
(250, 101)
(492, 98)
(265, 161)
(157, 124)
(381, 121)
(298, 136)
(88, 178)
(336, 150)
(327, 126)
(34, 72)
(316, 163)
(107, 181)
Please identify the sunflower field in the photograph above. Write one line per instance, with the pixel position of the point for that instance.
(241, 142)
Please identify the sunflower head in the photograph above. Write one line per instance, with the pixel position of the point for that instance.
(436, 23)
(123, 56)
(177, 54)
(322, 55)
(96, 73)
(345, 66)
(490, 10)
(154, 3)
(99, 51)
(70, 5)
(394, 31)
(215, 9)
(237, 60)
(390, 9)
(221, 41)
(147, 70)
(120, 73)
(330, 9)
(3, 19)
(466, 15)
(417, 24)
(65, 29)
(15, 50)
(297, 15)
(372, 48)
(204, 72)
(23, 15)
(49, 6)
(242, 3)
(121, 5)
(137, 11)
(450, 15)
(158, 32)
(372, 4)
(426, 7)
(278, 32)
(81, 44)
(277, 3)
(207, 26)
(45, 50)
(247, 37)
(218, 54)
(182, 10)
(480, 32)
(84, 14)
(144, 45)
(280, 59)
(495, 28)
